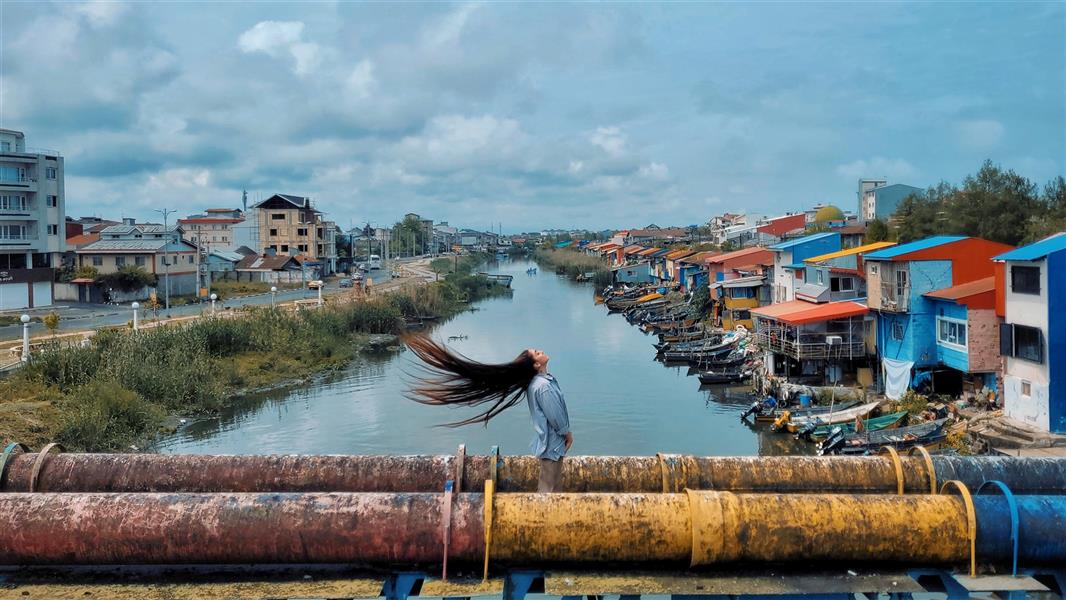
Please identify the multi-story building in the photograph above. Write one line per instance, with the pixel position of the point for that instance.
(936, 325)
(866, 185)
(880, 202)
(291, 225)
(789, 268)
(215, 228)
(32, 222)
(151, 247)
(1031, 298)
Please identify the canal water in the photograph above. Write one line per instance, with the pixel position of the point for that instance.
(621, 401)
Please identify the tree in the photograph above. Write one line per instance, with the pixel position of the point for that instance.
(51, 321)
(127, 279)
(1053, 206)
(876, 231)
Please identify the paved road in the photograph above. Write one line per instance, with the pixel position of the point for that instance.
(80, 317)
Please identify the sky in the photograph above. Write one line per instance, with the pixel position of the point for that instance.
(525, 116)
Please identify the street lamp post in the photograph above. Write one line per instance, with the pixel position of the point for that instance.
(136, 318)
(273, 295)
(166, 212)
(320, 286)
(25, 337)
(213, 298)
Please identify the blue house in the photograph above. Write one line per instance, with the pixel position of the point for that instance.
(935, 305)
(789, 255)
(1033, 335)
(635, 273)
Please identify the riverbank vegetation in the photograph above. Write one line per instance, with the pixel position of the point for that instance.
(575, 265)
(115, 392)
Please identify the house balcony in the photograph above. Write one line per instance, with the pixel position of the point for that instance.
(812, 346)
(19, 184)
(895, 298)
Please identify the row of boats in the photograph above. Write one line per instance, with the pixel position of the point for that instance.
(717, 356)
(848, 427)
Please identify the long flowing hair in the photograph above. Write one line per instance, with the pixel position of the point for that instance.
(456, 380)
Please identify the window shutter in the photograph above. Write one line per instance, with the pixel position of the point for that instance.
(1006, 339)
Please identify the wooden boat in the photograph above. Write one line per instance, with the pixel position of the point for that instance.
(770, 417)
(724, 376)
(787, 422)
(813, 432)
(928, 434)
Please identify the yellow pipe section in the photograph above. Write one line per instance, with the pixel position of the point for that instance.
(703, 528)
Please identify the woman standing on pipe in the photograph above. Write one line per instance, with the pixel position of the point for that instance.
(457, 380)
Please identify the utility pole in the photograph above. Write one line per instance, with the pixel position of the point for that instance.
(166, 212)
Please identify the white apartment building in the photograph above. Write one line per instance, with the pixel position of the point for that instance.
(214, 229)
(32, 222)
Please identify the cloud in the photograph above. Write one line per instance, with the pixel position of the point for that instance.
(878, 166)
(279, 38)
(654, 170)
(610, 139)
(979, 135)
(361, 82)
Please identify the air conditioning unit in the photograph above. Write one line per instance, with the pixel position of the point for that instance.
(833, 340)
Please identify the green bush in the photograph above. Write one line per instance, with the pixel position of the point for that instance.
(129, 278)
(102, 414)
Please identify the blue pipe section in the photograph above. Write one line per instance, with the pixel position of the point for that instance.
(1041, 529)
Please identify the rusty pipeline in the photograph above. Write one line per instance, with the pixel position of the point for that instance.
(633, 474)
(693, 528)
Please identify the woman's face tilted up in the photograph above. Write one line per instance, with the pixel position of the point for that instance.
(540, 359)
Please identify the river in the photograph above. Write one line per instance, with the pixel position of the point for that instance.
(621, 401)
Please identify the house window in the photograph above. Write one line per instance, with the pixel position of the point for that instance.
(139, 261)
(821, 280)
(1027, 389)
(53, 201)
(285, 248)
(741, 315)
(98, 261)
(302, 247)
(1028, 343)
(897, 332)
(873, 269)
(1025, 280)
(5, 146)
(192, 259)
(277, 216)
(53, 230)
(273, 233)
(951, 332)
(120, 261)
(50, 172)
(834, 284)
(901, 283)
(301, 231)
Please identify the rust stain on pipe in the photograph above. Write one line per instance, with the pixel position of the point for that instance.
(234, 528)
(630, 474)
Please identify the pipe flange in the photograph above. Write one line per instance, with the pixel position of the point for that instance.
(897, 464)
(37, 464)
(971, 519)
(1015, 518)
(928, 465)
(11, 449)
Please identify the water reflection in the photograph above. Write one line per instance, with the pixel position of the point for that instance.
(621, 400)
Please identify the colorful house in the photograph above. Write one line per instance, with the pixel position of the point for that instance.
(838, 275)
(929, 325)
(778, 227)
(693, 269)
(721, 267)
(736, 297)
(1033, 335)
(789, 268)
(823, 343)
(670, 264)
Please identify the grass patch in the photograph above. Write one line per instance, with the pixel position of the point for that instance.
(572, 264)
(114, 393)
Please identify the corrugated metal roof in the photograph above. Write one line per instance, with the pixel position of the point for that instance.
(659, 253)
(676, 254)
(850, 251)
(799, 312)
(803, 240)
(123, 246)
(901, 249)
(633, 249)
(741, 282)
(1038, 250)
(736, 254)
(774, 310)
(649, 251)
(965, 290)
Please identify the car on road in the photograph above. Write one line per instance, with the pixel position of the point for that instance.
(346, 283)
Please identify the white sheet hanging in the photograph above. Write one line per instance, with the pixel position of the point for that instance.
(897, 376)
